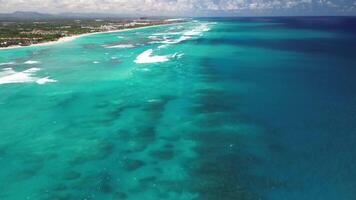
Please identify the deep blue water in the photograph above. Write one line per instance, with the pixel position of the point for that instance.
(302, 93)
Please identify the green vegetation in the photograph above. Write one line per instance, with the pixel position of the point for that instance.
(25, 33)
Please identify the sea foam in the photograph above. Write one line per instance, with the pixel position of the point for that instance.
(121, 46)
(45, 80)
(181, 39)
(7, 63)
(167, 33)
(198, 30)
(185, 35)
(8, 76)
(146, 57)
(31, 62)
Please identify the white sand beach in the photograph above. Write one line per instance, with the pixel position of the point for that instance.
(73, 37)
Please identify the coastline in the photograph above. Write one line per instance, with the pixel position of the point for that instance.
(73, 37)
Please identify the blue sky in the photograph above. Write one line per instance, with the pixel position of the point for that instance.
(187, 7)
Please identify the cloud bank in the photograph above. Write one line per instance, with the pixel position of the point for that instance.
(183, 7)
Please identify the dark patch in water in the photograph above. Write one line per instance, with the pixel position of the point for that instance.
(117, 111)
(147, 133)
(222, 169)
(162, 154)
(71, 175)
(102, 105)
(329, 46)
(219, 167)
(65, 102)
(135, 144)
(207, 72)
(120, 195)
(132, 164)
(216, 120)
(91, 46)
(31, 165)
(139, 145)
(217, 179)
(28, 172)
(58, 196)
(217, 172)
(212, 106)
(101, 151)
(3, 151)
(104, 182)
(158, 106)
(168, 146)
(148, 180)
(60, 188)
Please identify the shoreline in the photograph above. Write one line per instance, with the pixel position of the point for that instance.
(73, 37)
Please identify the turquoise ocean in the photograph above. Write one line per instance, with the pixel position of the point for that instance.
(227, 108)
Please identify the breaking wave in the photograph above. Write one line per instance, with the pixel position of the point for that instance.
(31, 62)
(147, 57)
(8, 76)
(121, 46)
(167, 37)
(7, 63)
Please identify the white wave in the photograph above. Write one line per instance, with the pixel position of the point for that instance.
(190, 34)
(45, 80)
(153, 37)
(167, 33)
(8, 76)
(181, 39)
(172, 20)
(96, 62)
(5, 72)
(162, 46)
(145, 69)
(153, 100)
(146, 57)
(121, 46)
(31, 62)
(32, 70)
(198, 30)
(7, 63)
(171, 41)
(178, 55)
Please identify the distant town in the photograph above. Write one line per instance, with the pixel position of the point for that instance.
(28, 32)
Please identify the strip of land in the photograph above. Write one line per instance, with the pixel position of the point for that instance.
(41, 33)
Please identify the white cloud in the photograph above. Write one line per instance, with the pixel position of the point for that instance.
(163, 7)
